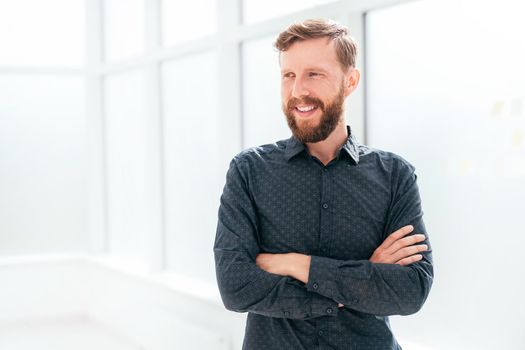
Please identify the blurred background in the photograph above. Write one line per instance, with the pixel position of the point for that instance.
(109, 110)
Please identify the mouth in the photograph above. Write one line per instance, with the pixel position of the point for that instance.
(305, 110)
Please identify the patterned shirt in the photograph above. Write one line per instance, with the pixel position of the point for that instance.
(280, 199)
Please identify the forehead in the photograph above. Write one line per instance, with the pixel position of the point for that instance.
(318, 52)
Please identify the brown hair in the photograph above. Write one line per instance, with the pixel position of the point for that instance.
(345, 45)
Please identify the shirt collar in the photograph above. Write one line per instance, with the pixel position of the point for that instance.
(294, 147)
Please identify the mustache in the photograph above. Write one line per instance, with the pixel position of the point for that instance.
(306, 100)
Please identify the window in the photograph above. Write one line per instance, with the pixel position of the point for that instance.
(193, 182)
(263, 119)
(188, 20)
(42, 33)
(127, 165)
(257, 11)
(124, 24)
(43, 165)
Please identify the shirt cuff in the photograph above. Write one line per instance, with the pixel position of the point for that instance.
(324, 278)
(316, 306)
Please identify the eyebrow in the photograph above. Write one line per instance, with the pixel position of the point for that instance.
(319, 69)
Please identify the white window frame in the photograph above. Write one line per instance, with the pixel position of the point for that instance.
(227, 41)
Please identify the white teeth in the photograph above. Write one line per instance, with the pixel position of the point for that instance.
(306, 109)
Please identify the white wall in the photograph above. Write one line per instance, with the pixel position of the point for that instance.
(446, 92)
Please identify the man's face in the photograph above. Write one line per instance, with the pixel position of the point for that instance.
(313, 89)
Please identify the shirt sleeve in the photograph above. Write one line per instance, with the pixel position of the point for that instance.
(381, 289)
(244, 287)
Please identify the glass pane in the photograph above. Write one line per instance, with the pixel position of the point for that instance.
(257, 11)
(124, 28)
(43, 201)
(183, 20)
(449, 97)
(193, 181)
(263, 119)
(127, 164)
(37, 33)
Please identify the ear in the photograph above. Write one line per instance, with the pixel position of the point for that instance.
(351, 80)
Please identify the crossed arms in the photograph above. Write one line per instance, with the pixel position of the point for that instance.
(395, 280)
(396, 249)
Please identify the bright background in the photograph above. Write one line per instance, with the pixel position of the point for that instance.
(118, 120)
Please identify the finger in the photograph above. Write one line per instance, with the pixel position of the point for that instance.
(408, 251)
(410, 260)
(405, 242)
(393, 237)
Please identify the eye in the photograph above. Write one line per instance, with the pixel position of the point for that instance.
(313, 74)
(288, 75)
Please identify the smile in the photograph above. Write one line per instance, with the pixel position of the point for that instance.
(305, 111)
(305, 108)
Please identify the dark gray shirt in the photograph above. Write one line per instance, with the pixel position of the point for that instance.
(279, 199)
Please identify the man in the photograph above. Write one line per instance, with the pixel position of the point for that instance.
(320, 238)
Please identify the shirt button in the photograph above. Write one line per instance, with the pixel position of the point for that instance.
(320, 333)
(315, 286)
(325, 169)
(325, 205)
(329, 310)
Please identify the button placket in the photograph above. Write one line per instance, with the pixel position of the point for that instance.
(325, 207)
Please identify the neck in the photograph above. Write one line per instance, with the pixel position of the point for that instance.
(327, 149)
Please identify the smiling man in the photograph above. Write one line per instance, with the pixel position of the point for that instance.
(320, 238)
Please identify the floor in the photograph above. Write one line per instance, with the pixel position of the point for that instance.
(61, 334)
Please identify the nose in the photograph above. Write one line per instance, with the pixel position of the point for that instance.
(299, 89)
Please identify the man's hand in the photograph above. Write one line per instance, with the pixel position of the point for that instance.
(290, 264)
(398, 249)
(273, 263)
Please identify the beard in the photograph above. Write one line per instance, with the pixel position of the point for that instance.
(308, 131)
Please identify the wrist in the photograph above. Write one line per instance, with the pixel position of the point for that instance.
(299, 267)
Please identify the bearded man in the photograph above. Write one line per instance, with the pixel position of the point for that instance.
(320, 238)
